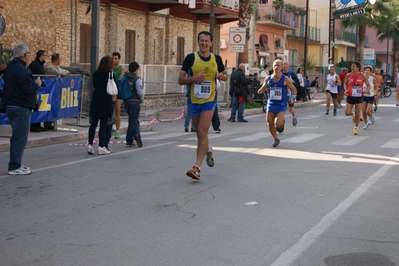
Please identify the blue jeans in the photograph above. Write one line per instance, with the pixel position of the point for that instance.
(188, 118)
(20, 123)
(133, 110)
(235, 106)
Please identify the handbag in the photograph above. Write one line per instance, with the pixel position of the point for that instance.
(112, 89)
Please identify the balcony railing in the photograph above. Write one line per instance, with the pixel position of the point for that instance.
(267, 12)
(347, 36)
(313, 33)
(230, 4)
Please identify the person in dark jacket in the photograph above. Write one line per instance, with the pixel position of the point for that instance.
(100, 105)
(37, 68)
(238, 83)
(132, 106)
(20, 90)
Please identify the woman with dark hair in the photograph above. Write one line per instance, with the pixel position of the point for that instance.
(100, 106)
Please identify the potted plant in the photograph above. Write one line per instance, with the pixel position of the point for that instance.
(278, 4)
(301, 11)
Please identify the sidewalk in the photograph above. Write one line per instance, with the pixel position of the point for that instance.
(71, 129)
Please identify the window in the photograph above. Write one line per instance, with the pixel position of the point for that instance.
(130, 45)
(180, 50)
(85, 35)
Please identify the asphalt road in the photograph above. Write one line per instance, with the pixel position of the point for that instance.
(324, 197)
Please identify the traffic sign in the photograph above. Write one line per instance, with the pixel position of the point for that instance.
(237, 36)
(237, 48)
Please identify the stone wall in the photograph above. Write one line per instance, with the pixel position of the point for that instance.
(54, 26)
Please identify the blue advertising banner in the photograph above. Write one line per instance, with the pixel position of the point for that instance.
(70, 97)
(60, 98)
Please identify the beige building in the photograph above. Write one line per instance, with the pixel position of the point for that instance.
(146, 31)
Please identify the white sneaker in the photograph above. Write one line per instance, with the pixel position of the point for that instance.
(366, 127)
(90, 149)
(372, 119)
(103, 151)
(20, 171)
(25, 167)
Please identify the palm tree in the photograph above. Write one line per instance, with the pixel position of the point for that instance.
(245, 11)
(368, 19)
(388, 28)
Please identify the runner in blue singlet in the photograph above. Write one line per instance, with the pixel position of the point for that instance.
(277, 85)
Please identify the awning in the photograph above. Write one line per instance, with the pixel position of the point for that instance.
(281, 56)
(264, 54)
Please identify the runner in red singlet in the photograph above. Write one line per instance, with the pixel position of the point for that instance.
(354, 91)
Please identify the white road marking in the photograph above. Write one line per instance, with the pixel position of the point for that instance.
(253, 137)
(303, 138)
(350, 140)
(95, 157)
(392, 143)
(310, 237)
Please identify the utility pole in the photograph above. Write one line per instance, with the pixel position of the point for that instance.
(305, 59)
(211, 22)
(95, 32)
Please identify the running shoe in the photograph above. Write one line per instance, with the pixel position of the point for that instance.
(276, 143)
(194, 173)
(335, 112)
(372, 120)
(218, 131)
(210, 161)
(117, 135)
(355, 131)
(294, 121)
(365, 127)
(327, 112)
(340, 106)
(375, 109)
(280, 129)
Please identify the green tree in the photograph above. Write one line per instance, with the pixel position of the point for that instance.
(245, 11)
(368, 19)
(388, 28)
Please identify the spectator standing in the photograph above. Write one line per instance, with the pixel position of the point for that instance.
(119, 71)
(20, 92)
(100, 106)
(238, 83)
(313, 87)
(307, 87)
(301, 94)
(132, 106)
(37, 68)
(187, 115)
(202, 100)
